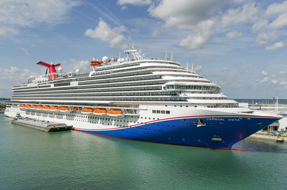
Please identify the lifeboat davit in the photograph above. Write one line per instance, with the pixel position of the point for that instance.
(39, 107)
(54, 108)
(115, 113)
(100, 111)
(87, 111)
(65, 109)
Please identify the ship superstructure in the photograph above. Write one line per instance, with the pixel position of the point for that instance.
(138, 98)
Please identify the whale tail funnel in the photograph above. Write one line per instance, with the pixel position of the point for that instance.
(51, 69)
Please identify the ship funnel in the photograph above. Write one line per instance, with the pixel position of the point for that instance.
(51, 69)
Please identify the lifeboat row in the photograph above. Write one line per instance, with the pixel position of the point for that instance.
(102, 111)
(64, 109)
(48, 108)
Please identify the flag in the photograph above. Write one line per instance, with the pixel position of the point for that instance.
(273, 98)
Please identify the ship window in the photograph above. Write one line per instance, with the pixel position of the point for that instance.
(167, 112)
(221, 122)
(157, 111)
(153, 111)
(162, 112)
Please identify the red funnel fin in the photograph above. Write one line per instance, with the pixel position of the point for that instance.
(51, 69)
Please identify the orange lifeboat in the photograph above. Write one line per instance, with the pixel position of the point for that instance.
(74, 109)
(39, 107)
(22, 107)
(100, 111)
(54, 108)
(28, 106)
(87, 111)
(46, 107)
(64, 109)
(95, 63)
(115, 113)
(33, 107)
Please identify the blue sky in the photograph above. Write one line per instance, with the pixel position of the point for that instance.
(241, 45)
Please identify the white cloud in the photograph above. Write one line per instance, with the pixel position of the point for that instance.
(275, 46)
(232, 35)
(5, 31)
(276, 8)
(25, 51)
(280, 22)
(259, 25)
(83, 65)
(263, 38)
(281, 72)
(198, 69)
(239, 1)
(134, 2)
(112, 36)
(265, 80)
(124, 7)
(15, 14)
(185, 14)
(246, 13)
(13, 76)
(225, 69)
(282, 83)
(155, 33)
(203, 34)
(274, 81)
(264, 73)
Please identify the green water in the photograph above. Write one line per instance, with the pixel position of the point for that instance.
(32, 159)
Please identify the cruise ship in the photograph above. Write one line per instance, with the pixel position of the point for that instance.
(138, 98)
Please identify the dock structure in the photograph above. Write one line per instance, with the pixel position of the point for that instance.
(267, 137)
(41, 125)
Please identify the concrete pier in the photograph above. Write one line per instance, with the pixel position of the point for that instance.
(42, 125)
(267, 137)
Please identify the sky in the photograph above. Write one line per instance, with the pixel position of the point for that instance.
(241, 45)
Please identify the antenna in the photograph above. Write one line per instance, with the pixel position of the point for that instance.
(165, 54)
(171, 55)
(192, 67)
(276, 108)
(187, 66)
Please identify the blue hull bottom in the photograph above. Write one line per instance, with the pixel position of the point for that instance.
(213, 132)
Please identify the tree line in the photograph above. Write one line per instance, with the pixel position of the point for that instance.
(2, 106)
